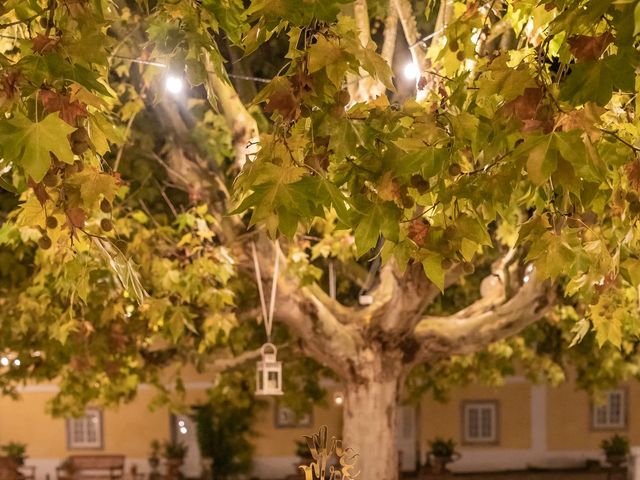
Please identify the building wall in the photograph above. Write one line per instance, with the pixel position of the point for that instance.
(275, 446)
(272, 441)
(538, 426)
(514, 416)
(569, 421)
(127, 429)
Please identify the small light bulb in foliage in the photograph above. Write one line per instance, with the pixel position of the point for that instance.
(411, 71)
(174, 84)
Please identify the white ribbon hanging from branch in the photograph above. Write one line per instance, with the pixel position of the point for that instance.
(267, 313)
(332, 280)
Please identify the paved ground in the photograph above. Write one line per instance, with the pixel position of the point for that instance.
(521, 475)
(526, 475)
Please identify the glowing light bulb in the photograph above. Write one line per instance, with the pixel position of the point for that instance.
(16, 362)
(411, 71)
(174, 84)
(338, 398)
(183, 430)
(4, 361)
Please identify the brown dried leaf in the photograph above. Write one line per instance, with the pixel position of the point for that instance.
(76, 217)
(419, 231)
(633, 173)
(525, 107)
(585, 47)
(9, 84)
(285, 103)
(44, 44)
(69, 110)
(39, 190)
(584, 119)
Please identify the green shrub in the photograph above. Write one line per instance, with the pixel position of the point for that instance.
(440, 447)
(15, 450)
(174, 450)
(616, 445)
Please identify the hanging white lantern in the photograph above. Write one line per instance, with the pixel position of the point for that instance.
(269, 372)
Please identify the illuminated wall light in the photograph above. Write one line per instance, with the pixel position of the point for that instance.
(4, 361)
(338, 398)
(16, 362)
(183, 430)
(174, 84)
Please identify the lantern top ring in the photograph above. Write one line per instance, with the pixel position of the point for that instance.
(268, 349)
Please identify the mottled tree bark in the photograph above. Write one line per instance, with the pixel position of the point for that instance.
(369, 420)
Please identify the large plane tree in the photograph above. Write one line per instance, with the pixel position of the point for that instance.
(147, 144)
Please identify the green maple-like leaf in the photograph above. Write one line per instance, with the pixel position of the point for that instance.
(31, 143)
(94, 185)
(432, 265)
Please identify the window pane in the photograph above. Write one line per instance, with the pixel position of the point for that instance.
(487, 423)
(85, 431)
(473, 423)
(601, 415)
(78, 430)
(92, 422)
(615, 408)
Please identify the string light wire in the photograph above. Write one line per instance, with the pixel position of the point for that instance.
(164, 65)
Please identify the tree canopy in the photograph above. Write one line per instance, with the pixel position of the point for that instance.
(505, 179)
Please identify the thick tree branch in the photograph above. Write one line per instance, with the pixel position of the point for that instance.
(222, 364)
(339, 311)
(363, 87)
(244, 129)
(323, 336)
(390, 33)
(482, 323)
(361, 15)
(410, 28)
(401, 299)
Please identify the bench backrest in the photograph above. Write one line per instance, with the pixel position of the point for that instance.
(8, 469)
(96, 462)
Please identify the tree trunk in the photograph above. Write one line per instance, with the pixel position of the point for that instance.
(370, 427)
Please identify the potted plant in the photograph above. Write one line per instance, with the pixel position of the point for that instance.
(15, 451)
(154, 456)
(174, 453)
(441, 453)
(616, 450)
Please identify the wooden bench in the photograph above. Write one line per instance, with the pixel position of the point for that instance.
(91, 467)
(8, 469)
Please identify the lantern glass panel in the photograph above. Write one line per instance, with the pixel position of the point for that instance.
(274, 380)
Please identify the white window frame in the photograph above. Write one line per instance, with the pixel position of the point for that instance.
(480, 407)
(92, 416)
(602, 415)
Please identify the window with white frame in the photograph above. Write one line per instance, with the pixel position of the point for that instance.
(612, 413)
(86, 431)
(480, 422)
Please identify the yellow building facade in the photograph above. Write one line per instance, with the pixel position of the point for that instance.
(514, 426)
